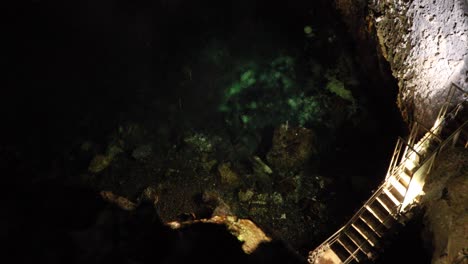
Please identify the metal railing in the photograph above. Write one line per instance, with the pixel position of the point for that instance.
(429, 158)
(398, 164)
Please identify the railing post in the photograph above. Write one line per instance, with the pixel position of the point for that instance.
(455, 138)
(395, 158)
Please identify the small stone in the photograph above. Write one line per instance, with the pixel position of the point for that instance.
(292, 147)
(261, 199)
(276, 198)
(120, 201)
(150, 194)
(246, 195)
(228, 176)
(99, 163)
(260, 166)
(199, 142)
(222, 209)
(262, 173)
(207, 166)
(113, 151)
(86, 146)
(142, 152)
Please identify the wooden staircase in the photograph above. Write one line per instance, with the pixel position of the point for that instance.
(361, 238)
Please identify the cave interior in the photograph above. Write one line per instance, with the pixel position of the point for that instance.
(260, 109)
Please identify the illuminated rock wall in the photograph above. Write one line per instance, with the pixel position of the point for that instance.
(445, 218)
(426, 44)
(424, 41)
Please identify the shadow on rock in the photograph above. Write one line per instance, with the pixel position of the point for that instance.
(55, 223)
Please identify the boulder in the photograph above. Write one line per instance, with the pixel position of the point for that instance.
(292, 147)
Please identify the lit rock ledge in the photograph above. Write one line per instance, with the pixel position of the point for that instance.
(245, 230)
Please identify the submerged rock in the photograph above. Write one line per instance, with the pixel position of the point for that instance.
(216, 203)
(142, 152)
(276, 198)
(201, 142)
(208, 165)
(228, 176)
(120, 201)
(262, 173)
(86, 146)
(245, 196)
(260, 167)
(101, 162)
(292, 147)
(131, 135)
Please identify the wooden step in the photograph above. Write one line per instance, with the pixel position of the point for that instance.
(397, 185)
(373, 222)
(394, 200)
(340, 251)
(352, 248)
(395, 193)
(387, 203)
(384, 216)
(375, 214)
(405, 177)
(360, 241)
(367, 232)
(376, 210)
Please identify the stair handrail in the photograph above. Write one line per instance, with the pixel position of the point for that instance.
(401, 165)
(424, 139)
(373, 197)
(448, 99)
(395, 157)
(436, 152)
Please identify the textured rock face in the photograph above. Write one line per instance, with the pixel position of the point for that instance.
(426, 44)
(445, 205)
(292, 147)
(424, 41)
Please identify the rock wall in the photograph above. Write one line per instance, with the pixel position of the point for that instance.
(426, 44)
(445, 205)
(424, 41)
